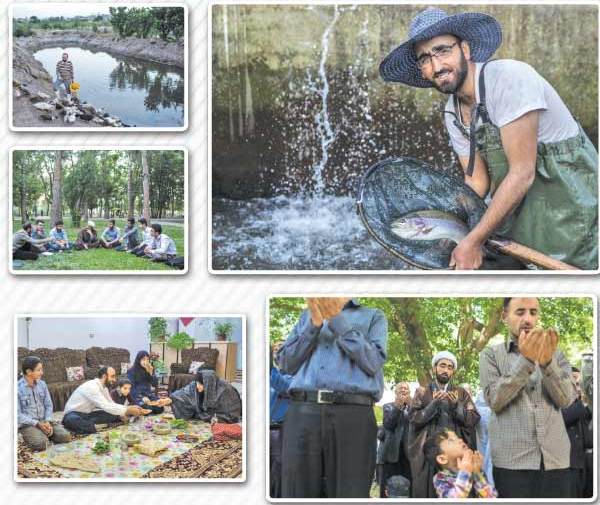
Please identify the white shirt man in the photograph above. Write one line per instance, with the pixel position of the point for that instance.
(91, 404)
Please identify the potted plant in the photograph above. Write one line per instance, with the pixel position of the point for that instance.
(179, 341)
(158, 364)
(223, 330)
(157, 329)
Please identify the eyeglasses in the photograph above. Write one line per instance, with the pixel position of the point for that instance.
(440, 52)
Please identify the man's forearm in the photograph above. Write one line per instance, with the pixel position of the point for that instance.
(509, 195)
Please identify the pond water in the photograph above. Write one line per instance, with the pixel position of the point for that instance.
(139, 92)
(294, 233)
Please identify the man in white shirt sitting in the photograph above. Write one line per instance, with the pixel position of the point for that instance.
(162, 247)
(91, 404)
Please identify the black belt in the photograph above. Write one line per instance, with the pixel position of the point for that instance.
(325, 396)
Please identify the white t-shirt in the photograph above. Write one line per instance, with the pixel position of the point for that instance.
(513, 88)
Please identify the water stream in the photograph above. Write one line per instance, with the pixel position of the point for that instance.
(316, 228)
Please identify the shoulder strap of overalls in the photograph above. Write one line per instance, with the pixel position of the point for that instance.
(480, 111)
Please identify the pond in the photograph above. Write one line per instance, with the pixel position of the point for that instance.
(141, 93)
(294, 233)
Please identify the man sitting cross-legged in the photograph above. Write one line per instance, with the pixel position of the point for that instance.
(91, 404)
(162, 247)
(87, 238)
(110, 236)
(24, 247)
(34, 407)
(130, 239)
(39, 233)
(146, 238)
(60, 239)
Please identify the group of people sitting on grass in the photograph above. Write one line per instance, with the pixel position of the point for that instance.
(29, 242)
(108, 400)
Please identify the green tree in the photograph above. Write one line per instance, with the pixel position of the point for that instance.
(420, 327)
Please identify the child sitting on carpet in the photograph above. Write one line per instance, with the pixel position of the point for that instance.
(122, 393)
(460, 474)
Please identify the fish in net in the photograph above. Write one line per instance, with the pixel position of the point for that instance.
(419, 213)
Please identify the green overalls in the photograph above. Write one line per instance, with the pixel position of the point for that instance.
(559, 214)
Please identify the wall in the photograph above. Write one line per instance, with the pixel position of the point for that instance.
(128, 332)
(203, 329)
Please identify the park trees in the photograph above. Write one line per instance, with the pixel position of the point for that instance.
(56, 209)
(418, 327)
(145, 22)
(91, 183)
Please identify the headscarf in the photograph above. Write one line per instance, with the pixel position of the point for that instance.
(138, 372)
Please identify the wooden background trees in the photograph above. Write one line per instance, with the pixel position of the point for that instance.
(98, 184)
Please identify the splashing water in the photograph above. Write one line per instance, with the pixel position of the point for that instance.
(294, 233)
(324, 129)
(328, 137)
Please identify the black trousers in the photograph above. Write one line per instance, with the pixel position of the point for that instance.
(532, 483)
(275, 439)
(577, 481)
(27, 252)
(328, 451)
(78, 422)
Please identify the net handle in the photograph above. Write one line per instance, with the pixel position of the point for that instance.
(528, 255)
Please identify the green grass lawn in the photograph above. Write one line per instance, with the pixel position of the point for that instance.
(101, 259)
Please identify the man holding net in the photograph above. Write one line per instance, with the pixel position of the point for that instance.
(515, 138)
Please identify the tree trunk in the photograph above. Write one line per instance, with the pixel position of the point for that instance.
(23, 194)
(406, 322)
(146, 186)
(56, 210)
(130, 193)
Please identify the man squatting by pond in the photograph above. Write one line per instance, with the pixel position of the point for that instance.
(538, 424)
(514, 136)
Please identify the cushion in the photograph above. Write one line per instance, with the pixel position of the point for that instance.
(194, 366)
(222, 432)
(75, 373)
(125, 367)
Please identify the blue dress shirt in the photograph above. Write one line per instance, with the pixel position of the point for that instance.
(345, 354)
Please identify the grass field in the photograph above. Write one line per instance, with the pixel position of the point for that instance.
(101, 259)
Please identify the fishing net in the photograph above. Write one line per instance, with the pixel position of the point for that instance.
(393, 188)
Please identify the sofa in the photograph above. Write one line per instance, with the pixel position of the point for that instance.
(180, 375)
(56, 361)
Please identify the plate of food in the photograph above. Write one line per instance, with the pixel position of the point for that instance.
(179, 424)
(75, 462)
(187, 438)
(101, 447)
(151, 447)
(131, 438)
(161, 428)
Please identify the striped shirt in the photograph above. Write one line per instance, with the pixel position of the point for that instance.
(526, 423)
(64, 70)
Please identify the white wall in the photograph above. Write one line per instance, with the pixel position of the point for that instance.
(82, 333)
(203, 329)
(128, 332)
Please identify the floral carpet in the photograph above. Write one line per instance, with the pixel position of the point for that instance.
(202, 459)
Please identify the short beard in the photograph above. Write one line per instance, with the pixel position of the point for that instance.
(461, 75)
(441, 379)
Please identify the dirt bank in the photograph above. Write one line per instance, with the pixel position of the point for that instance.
(33, 84)
(158, 51)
